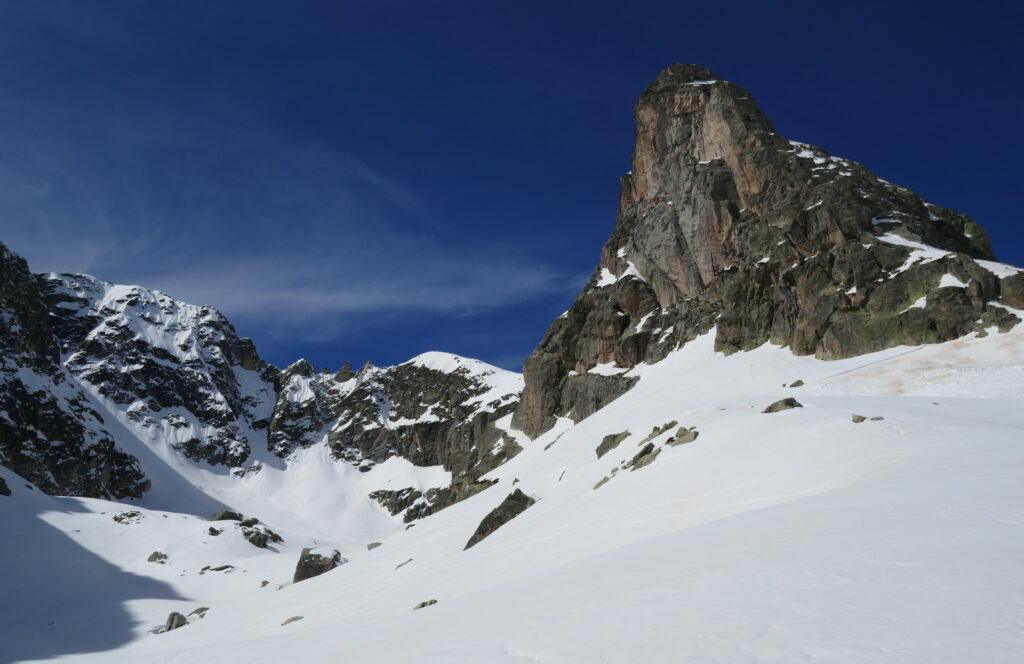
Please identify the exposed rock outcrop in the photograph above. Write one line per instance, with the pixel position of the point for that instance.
(314, 562)
(783, 404)
(178, 374)
(50, 431)
(514, 504)
(436, 409)
(724, 225)
(178, 371)
(174, 621)
(225, 515)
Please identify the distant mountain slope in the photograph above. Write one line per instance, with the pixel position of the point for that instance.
(177, 373)
(725, 225)
(86, 359)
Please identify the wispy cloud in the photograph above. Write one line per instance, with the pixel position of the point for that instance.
(300, 239)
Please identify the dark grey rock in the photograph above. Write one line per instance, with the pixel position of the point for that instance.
(513, 505)
(783, 404)
(225, 515)
(372, 545)
(157, 557)
(422, 605)
(797, 383)
(258, 540)
(127, 518)
(4, 489)
(314, 564)
(657, 431)
(683, 436)
(174, 621)
(213, 531)
(291, 620)
(610, 442)
(857, 419)
(646, 456)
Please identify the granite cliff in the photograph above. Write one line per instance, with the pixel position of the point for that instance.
(725, 225)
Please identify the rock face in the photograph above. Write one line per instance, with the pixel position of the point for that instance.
(77, 350)
(436, 409)
(51, 432)
(724, 225)
(179, 372)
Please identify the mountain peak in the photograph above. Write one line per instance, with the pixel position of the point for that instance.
(725, 226)
(682, 73)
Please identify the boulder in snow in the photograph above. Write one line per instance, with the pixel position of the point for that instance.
(174, 621)
(225, 515)
(783, 404)
(314, 562)
(513, 505)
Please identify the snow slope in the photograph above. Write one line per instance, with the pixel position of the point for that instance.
(792, 536)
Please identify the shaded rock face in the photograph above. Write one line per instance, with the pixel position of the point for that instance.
(724, 225)
(50, 431)
(314, 562)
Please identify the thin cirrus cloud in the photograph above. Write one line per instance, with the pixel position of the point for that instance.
(220, 210)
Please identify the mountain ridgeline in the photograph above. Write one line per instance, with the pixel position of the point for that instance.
(723, 226)
(90, 369)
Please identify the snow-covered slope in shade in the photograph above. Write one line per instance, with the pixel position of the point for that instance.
(787, 536)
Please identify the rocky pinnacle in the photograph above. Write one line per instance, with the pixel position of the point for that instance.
(725, 226)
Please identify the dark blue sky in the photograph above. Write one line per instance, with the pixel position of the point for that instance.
(373, 180)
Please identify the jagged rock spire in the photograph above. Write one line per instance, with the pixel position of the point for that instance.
(725, 225)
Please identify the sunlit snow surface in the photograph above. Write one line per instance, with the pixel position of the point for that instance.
(793, 536)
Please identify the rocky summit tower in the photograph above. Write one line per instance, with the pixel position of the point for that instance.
(725, 225)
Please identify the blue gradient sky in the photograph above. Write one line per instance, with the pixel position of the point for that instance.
(370, 181)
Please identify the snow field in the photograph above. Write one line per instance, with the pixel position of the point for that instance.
(797, 535)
